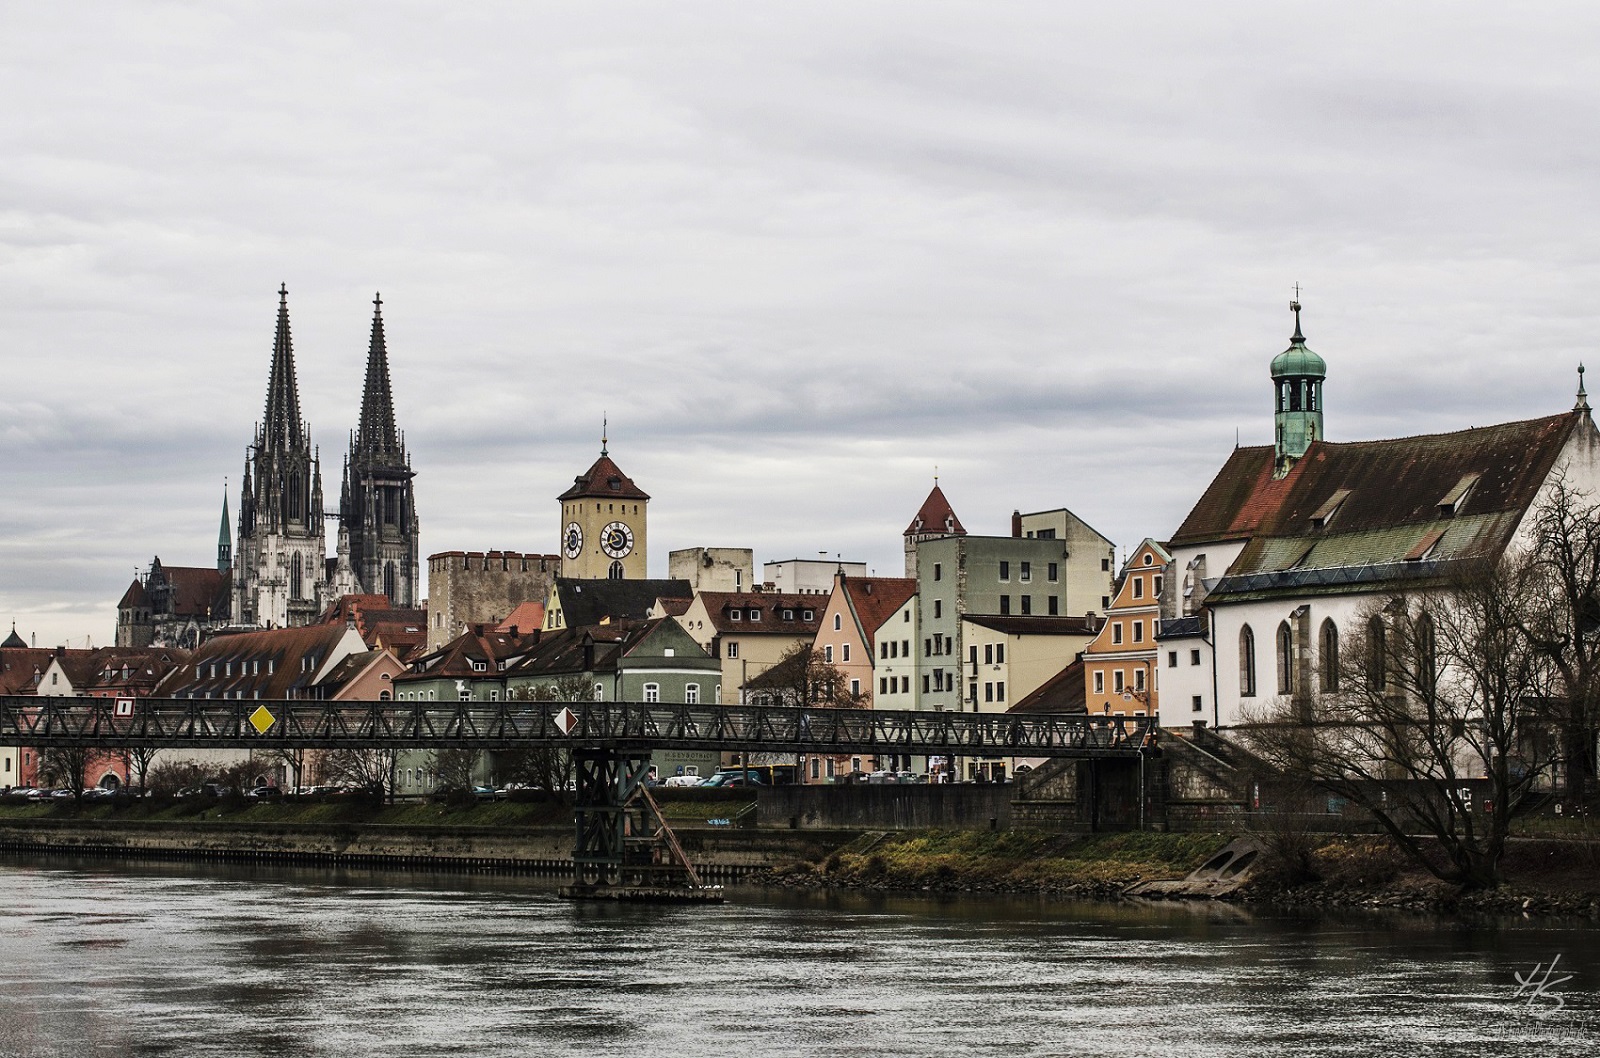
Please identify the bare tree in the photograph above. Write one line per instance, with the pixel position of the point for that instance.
(803, 676)
(1437, 697)
(545, 768)
(65, 766)
(370, 769)
(1563, 621)
(454, 768)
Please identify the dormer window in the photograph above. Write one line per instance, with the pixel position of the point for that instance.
(755, 614)
(788, 615)
(1425, 547)
(1456, 498)
(479, 666)
(807, 615)
(1325, 514)
(735, 615)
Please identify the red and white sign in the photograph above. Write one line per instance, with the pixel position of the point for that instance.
(566, 720)
(124, 707)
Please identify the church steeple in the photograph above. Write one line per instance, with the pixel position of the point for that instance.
(280, 579)
(378, 527)
(1297, 376)
(377, 436)
(281, 427)
(224, 538)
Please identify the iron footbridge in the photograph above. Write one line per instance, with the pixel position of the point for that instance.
(206, 723)
(622, 840)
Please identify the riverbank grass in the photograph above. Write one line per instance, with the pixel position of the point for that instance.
(1007, 861)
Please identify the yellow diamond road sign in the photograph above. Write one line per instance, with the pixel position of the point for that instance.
(262, 719)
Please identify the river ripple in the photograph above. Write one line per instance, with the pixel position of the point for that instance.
(119, 960)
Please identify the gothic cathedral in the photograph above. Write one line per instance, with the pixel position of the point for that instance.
(281, 573)
(377, 509)
(603, 531)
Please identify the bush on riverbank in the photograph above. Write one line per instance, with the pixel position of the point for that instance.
(1008, 861)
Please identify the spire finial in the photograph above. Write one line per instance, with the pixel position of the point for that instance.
(283, 294)
(1298, 339)
(936, 475)
(377, 302)
(605, 428)
(1583, 397)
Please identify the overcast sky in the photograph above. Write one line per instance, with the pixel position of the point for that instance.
(801, 254)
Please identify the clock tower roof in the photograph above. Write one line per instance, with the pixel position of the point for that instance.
(604, 479)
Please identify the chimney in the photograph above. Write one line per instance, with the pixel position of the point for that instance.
(1016, 523)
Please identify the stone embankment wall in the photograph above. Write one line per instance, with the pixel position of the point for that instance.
(868, 806)
(719, 854)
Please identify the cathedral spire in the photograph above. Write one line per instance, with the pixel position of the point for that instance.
(281, 428)
(376, 434)
(224, 536)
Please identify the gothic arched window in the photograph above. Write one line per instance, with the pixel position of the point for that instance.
(295, 575)
(1330, 656)
(1377, 655)
(293, 499)
(1285, 658)
(388, 581)
(616, 571)
(1247, 662)
(1427, 659)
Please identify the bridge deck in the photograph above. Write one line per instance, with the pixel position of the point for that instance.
(173, 723)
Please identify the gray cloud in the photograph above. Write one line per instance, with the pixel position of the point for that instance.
(800, 255)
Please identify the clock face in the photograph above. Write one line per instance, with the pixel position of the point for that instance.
(616, 540)
(573, 540)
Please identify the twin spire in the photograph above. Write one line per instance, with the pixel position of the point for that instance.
(281, 425)
(377, 435)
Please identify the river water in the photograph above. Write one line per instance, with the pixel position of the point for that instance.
(112, 959)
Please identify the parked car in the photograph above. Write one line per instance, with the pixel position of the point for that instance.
(265, 793)
(485, 793)
(19, 793)
(684, 780)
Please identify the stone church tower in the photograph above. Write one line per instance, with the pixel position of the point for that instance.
(280, 564)
(378, 550)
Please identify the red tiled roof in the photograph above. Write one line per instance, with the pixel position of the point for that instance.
(527, 617)
(1037, 626)
(265, 664)
(936, 516)
(197, 591)
(18, 664)
(875, 599)
(1390, 483)
(605, 479)
(133, 597)
(719, 606)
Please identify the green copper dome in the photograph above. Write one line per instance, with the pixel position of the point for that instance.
(1298, 362)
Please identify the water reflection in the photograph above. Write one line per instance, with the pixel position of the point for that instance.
(120, 960)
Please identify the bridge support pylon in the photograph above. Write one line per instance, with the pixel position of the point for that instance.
(624, 848)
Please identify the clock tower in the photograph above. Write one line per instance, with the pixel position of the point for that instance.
(603, 524)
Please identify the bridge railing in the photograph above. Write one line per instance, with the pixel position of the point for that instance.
(174, 723)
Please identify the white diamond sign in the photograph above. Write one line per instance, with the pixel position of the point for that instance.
(566, 720)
